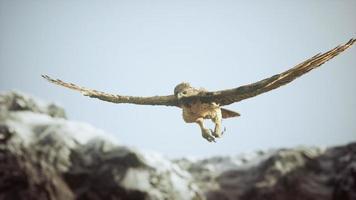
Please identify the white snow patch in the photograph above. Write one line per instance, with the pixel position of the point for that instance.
(25, 121)
(137, 179)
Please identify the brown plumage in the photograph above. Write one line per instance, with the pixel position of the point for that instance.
(200, 104)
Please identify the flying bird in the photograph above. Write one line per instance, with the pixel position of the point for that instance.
(200, 104)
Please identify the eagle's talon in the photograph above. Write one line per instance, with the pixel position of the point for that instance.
(217, 133)
(212, 139)
(206, 133)
(222, 133)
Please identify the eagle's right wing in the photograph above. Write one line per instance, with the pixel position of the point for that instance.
(169, 100)
(229, 96)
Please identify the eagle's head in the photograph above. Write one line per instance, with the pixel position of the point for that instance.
(184, 90)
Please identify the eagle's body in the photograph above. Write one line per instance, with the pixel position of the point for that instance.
(200, 104)
(197, 112)
(192, 112)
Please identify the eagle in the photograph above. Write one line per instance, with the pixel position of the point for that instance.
(198, 104)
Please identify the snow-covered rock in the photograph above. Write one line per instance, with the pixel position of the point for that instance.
(296, 174)
(73, 160)
(45, 156)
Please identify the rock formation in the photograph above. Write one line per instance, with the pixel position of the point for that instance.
(45, 156)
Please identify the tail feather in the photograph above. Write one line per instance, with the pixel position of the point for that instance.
(229, 113)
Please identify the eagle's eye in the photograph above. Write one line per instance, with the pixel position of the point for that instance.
(184, 92)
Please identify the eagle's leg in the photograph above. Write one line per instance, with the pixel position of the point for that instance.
(217, 121)
(206, 133)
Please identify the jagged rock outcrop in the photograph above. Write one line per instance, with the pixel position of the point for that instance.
(295, 174)
(23, 175)
(45, 156)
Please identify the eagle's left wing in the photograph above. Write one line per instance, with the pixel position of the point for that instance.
(169, 100)
(229, 96)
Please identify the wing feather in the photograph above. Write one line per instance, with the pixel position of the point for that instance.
(169, 100)
(229, 96)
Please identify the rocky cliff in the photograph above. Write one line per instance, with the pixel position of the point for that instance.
(45, 156)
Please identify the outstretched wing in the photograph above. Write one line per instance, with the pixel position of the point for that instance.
(169, 100)
(226, 97)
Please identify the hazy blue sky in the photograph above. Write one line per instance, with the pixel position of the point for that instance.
(147, 47)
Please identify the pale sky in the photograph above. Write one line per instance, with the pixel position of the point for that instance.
(147, 47)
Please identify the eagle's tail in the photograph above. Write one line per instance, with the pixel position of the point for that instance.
(229, 113)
